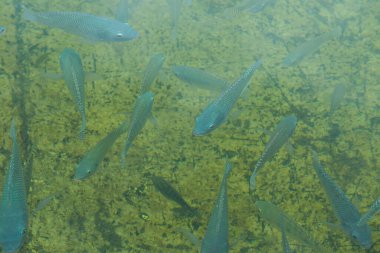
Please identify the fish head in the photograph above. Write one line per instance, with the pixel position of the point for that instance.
(177, 70)
(85, 169)
(118, 32)
(208, 120)
(12, 235)
(362, 234)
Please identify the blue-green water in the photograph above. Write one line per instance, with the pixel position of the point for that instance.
(119, 210)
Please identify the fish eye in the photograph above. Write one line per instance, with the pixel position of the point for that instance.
(119, 35)
(24, 231)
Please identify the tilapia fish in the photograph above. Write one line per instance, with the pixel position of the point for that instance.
(88, 26)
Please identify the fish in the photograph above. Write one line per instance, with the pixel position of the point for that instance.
(306, 49)
(276, 217)
(199, 78)
(122, 11)
(336, 97)
(280, 136)
(166, 189)
(260, 5)
(141, 112)
(175, 12)
(347, 214)
(73, 74)
(151, 71)
(252, 6)
(90, 162)
(217, 111)
(44, 202)
(216, 237)
(91, 27)
(374, 209)
(13, 207)
(285, 242)
(2, 30)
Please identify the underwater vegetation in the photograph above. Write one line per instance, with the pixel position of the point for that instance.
(130, 147)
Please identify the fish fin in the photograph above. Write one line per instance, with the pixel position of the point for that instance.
(92, 76)
(190, 236)
(13, 129)
(153, 120)
(333, 226)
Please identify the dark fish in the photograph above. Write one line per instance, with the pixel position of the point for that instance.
(166, 189)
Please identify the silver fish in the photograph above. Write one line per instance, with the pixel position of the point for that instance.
(73, 74)
(2, 30)
(200, 78)
(216, 237)
(90, 162)
(276, 217)
(281, 134)
(175, 11)
(91, 27)
(142, 110)
(151, 71)
(217, 111)
(306, 49)
(347, 214)
(13, 206)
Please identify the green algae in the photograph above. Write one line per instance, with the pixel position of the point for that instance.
(119, 210)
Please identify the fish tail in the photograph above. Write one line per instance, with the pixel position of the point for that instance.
(252, 181)
(124, 154)
(82, 132)
(13, 130)
(228, 169)
(29, 14)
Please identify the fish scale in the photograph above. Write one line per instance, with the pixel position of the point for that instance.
(13, 206)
